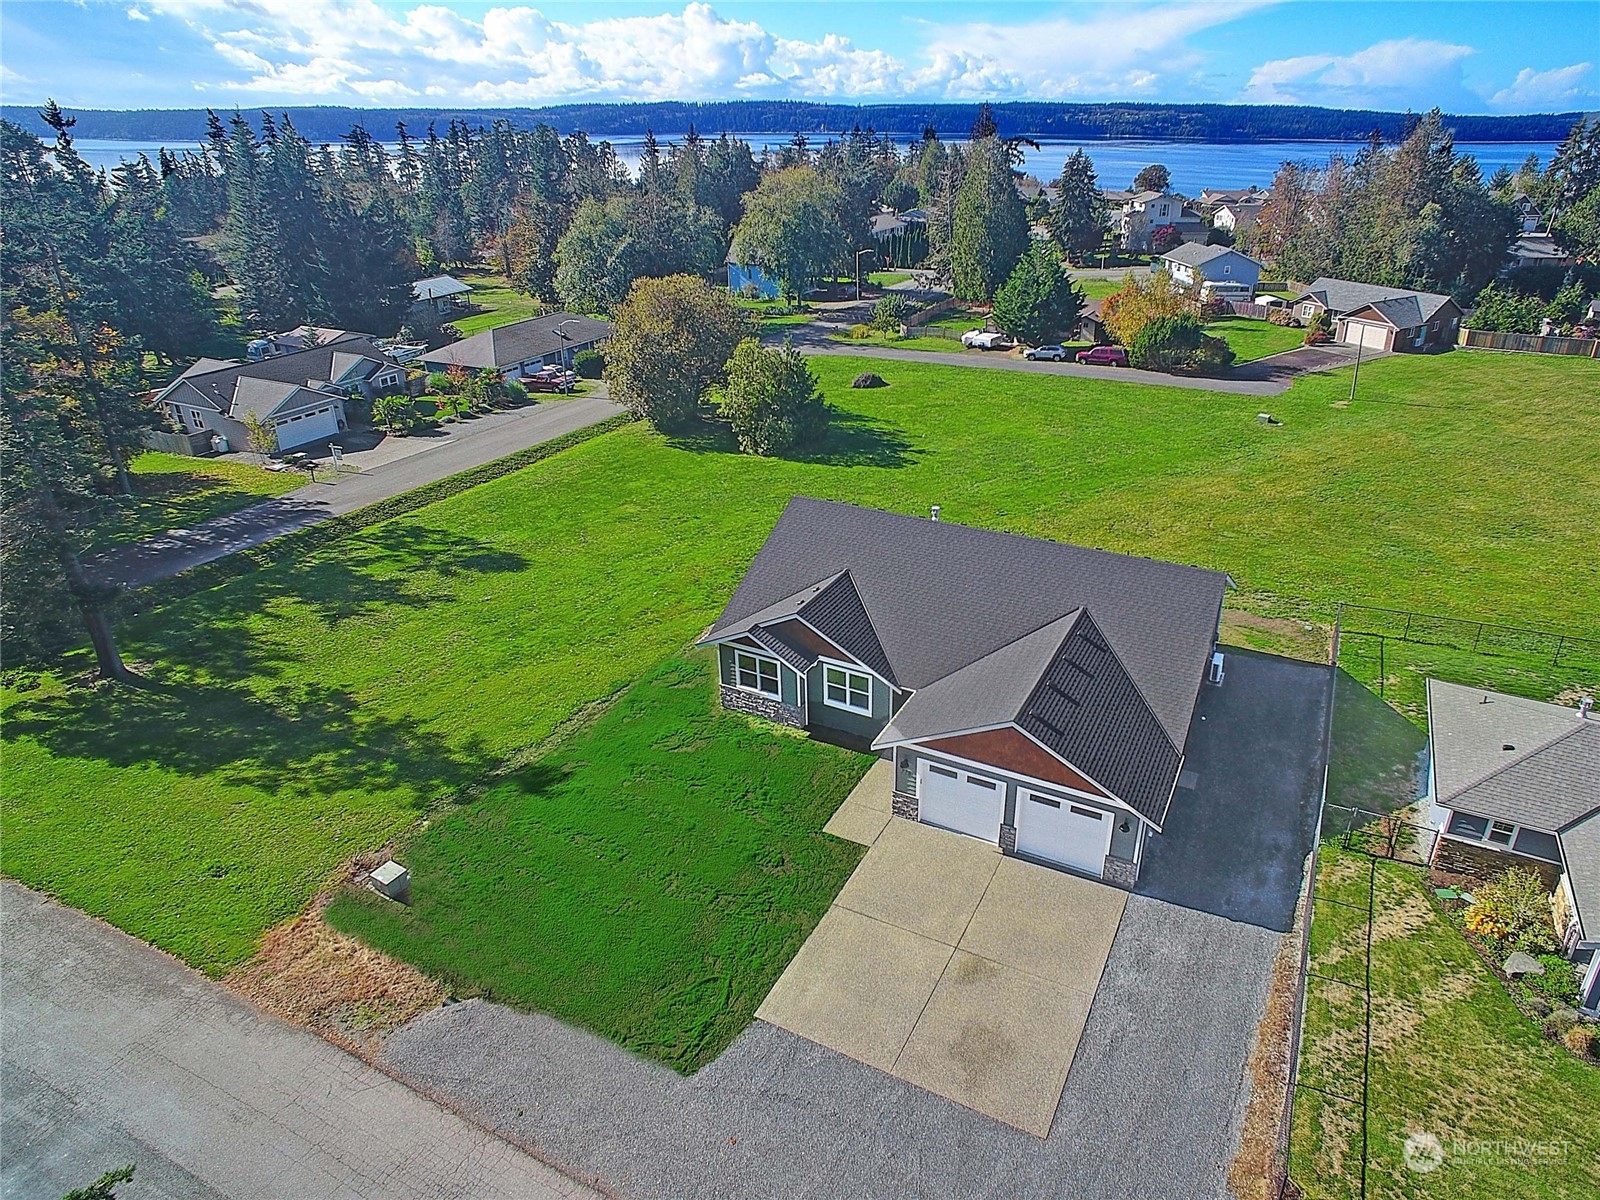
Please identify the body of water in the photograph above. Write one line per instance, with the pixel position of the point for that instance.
(1194, 165)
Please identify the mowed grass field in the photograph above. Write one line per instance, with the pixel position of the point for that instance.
(304, 713)
(501, 303)
(649, 879)
(1451, 1057)
(173, 491)
(1251, 339)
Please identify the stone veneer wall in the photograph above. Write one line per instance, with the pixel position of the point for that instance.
(902, 805)
(758, 705)
(1119, 872)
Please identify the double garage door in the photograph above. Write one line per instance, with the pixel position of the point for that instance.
(310, 426)
(1051, 828)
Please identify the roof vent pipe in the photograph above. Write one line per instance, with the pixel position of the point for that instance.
(935, 512)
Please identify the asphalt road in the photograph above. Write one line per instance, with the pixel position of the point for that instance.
(111, 1053)
(1265, 377)
(469, 446)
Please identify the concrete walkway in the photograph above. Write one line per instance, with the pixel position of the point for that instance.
(114, 1053)
(468, 445)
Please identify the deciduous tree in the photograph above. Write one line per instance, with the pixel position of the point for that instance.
(771, 399)
(791, 229)
(670, 344)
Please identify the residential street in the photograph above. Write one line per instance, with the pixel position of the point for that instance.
(458, 448)
(115, 1053)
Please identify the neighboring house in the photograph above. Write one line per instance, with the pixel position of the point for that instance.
(522, 346)
(1030, 693)
(1218, 270)
(300, 395)
(1513, 780)
(1134, 216)
(1382, 318)
(302, 337)
(1211, 200)
(1538, 250)
(1236, 216)
(752, 282)
(442, 295)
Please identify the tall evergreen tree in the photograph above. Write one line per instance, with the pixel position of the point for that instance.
(1077, 217)
(989, 228)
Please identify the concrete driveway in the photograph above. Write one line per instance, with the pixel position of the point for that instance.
(950, 966)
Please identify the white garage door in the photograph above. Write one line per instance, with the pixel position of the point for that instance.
(1060, 831)
(955, 799)
(1363, 333)
(306, 427)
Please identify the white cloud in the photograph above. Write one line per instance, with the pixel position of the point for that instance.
(137, 14)
(1399, 73)
(350, 49)
(1557, 88)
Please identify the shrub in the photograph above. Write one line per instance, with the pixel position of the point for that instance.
(1164, 238)
(1513, 910)
(771, 399)
(1583, 1040)
(441, 384)
(869, 379)
(1560, 1023)
(1283, 317)
(515, 392)
(1558, 984)
(860, 333)
(1178, 344)
(1503, 310)
(589, 364)
(1319, 329)
(1214, 306)
(889, 313)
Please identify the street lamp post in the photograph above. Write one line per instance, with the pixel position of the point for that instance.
(565, 365)
(859, 253)
(1357, 373)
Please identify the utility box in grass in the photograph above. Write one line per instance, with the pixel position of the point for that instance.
(391, 880)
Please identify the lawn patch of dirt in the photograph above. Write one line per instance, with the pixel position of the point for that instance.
(1288, 636)
(1251, 1174)
(331, 984)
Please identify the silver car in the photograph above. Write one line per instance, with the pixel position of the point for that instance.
(1047, 354)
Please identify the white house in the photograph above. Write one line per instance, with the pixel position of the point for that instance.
(1237, 215)
(1134, 216)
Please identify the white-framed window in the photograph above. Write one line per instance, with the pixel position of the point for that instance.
(842, 688)
(1307, 310)
(752, 673)
(199, 421)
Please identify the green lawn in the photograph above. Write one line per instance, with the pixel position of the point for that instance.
(501, 303)
(1451, 1057)
(648, 880)
(1095, 288)
(1252, 339)
(305, 712)
(886, 279)
(173, 491)
(941, 344)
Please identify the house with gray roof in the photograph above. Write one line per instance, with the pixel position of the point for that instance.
(300, 395)
(441, 295)
(1381, 318)
(1031, 693)
(522, 346)
(1516, 780)
(1217, 270)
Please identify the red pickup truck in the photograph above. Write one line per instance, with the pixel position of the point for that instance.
(1103, 356)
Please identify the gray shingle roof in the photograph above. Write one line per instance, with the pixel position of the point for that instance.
(942, 596)
(838, 614)
(1548, 779)
(1580, 849)
(215, 384)
(1195, 254)
(795, 655)
(438, 287)
(508, 345)
(1345, 296)
(984, 694)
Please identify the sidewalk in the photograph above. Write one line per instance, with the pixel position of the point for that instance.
(389, 469)
(115, 1053)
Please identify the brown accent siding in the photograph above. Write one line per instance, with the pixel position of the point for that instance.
(808, 639)
(1015, 751)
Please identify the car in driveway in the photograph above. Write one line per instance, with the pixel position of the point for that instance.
(550, 379)
(984, 339)
(1047, 354)
(1103, 356)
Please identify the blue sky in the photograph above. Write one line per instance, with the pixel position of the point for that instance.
(1464, 57)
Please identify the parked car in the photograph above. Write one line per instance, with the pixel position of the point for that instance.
(550, 379)
(1103, 356)
(1047, 354)
(984, 339)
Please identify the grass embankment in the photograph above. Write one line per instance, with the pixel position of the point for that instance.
(173, 491)
(648, 880)
(312, 710)
(1451, 1057)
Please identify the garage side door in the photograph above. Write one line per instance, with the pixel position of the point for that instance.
(1059, 831)
(959, 800)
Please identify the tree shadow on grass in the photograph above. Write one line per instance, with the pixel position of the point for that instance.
(852, 440)
(225, 696)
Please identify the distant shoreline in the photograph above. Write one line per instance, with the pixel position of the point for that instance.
(1216, 124)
